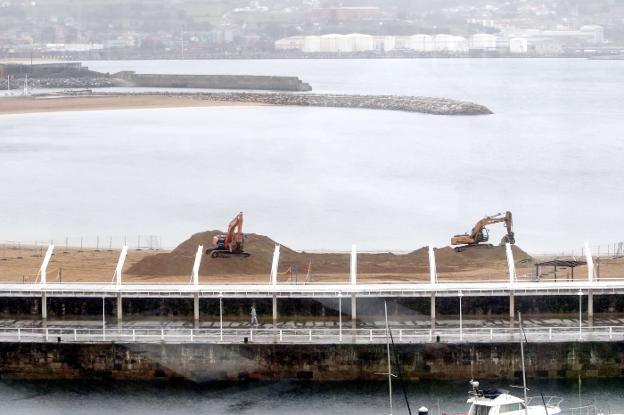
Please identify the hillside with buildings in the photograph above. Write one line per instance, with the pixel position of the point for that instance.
(279, 28)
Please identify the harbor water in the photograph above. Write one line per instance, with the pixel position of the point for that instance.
(21, 398)
(324, 178)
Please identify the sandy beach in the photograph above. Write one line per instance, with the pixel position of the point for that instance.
(21, 105)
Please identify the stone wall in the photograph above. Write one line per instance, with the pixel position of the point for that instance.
(271, 83)
(201, 363)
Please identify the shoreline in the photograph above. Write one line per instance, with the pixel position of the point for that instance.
(29, 105)
(106, 101)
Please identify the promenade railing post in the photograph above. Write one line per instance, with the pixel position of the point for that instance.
(274, 268)
(590, 263)
(461, 325)
(353, 278)
(195, 277)
(511, 270)
(120, 264)
(43, 280)
(433, 279)
(591, 278)
(580, 294)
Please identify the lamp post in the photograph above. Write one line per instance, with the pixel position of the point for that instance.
(580, 294)
(103, 315)
(340, 316)
(221, 316)
(461, 325)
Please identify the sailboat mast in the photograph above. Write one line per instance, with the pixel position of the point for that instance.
(388, 352)
(524, 385)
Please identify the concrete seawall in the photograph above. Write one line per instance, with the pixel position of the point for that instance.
(74, 75)
(201, 363)
(250, 82)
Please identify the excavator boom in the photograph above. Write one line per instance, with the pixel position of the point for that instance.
(479, 233)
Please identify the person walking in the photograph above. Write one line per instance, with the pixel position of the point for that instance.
(254, 316)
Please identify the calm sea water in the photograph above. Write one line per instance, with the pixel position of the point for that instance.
(325, 178)
(273, 398)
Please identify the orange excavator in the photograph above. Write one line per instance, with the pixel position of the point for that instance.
(480, 233)
(226, 246)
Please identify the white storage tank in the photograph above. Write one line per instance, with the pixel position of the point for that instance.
(461, 44)
(345, 44)
(329, 43)
(421, 43)
(483, 41)
(443, 42)
(290, 43)
(360, 42)
(384, 43)
(402, 42)
(596, 33)
(518, 45)
(312, 44)
(449, 43)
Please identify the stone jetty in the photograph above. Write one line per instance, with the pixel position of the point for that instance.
(427, 105)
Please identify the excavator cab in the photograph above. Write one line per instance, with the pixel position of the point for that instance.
(219, 242)
(485, 235)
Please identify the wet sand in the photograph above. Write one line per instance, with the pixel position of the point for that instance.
(21, 105)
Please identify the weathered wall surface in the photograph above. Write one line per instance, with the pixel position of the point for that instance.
(342, 362)
(271, 83)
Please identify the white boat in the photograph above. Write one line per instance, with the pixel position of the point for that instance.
(501, 402)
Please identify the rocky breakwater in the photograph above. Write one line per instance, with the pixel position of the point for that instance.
(427, 105)
(41, 83)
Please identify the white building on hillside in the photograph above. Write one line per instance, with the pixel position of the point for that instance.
(421, 43)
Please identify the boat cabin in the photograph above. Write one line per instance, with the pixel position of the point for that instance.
(495, 402)
(500, 402)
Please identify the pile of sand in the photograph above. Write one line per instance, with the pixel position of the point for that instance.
(180, 261)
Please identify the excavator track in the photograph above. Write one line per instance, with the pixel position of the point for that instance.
(228, 254)
(472, 246)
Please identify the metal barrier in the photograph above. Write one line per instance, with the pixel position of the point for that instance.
(310, 336)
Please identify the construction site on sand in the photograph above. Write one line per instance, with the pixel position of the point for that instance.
(238, 258)
(20, 263)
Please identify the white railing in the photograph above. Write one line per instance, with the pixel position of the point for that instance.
(310, 336)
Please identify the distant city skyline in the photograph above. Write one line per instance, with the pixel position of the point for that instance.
(193, 28)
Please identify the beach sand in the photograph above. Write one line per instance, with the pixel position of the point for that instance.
(21, 105)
